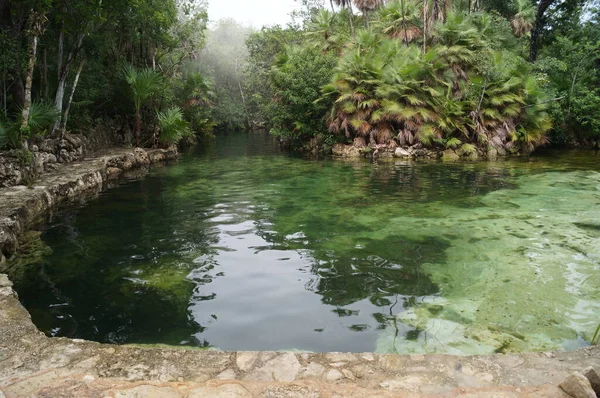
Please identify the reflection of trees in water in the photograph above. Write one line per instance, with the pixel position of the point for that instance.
(96, 285)
(393, 275)
(350, 260)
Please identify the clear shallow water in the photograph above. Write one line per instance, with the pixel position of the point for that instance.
(241, 247)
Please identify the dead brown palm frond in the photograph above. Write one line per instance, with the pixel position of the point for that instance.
(523, 21)
(439, 11)
(407, 35)
(368, 5)
(384, 133)
(343, 3)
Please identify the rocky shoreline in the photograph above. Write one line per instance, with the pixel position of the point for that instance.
(21, 206)
(32, 364)
(419, 151)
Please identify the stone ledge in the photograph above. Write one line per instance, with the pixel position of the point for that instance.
(76, 182)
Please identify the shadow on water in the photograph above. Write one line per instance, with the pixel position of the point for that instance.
(245, 248)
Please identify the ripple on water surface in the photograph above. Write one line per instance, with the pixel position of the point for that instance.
(243, 248)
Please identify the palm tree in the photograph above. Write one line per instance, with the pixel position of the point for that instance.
(343, 3)
(439, 10)
(354, 84)
(40, 117)
(173, 127)
(366, 6)
(346, 5)
(143, 83)
(401, 19)
(409, 96)
(321, 31)
(522, 22)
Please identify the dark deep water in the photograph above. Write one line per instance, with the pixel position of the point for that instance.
(242, 247)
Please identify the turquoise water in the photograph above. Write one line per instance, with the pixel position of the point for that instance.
(241, 247)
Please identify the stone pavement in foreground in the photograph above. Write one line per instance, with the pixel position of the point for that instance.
(33, 365)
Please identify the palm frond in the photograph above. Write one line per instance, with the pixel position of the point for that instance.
(173, 127)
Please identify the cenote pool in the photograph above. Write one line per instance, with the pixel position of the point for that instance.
(240, 247)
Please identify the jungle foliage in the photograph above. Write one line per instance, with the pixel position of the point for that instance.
(124, 61)
(459, 74)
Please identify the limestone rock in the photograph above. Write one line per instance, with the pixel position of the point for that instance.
(284, 367)
(313, 369)
(346, 151)
(227, 374)
(148, 391)
(141, 157)
(290, 391)
(245, 360)
(590, 373)
(341, 357)
(348, 374)
(48, 146)
(4, 281)
(112, 172)
(10, 172)
(449, 154)
(368, 356)
(402, 153)
(334, 375)
(578, 386)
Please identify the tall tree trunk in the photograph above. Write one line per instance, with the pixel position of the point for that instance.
(44, 74)
(62, 81)
(61, 50)
(4, 93)
(14, 85)
(331, 3)
(424, 26)
(31, 51)
(244, 103)
(536, 33)
(66, 116)
(351, 18)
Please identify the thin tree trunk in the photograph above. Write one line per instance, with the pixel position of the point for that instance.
(138, 126)
(424, 26)
(244, 103)
(331, 3)
(44, 74)
(66, 116)
(61, 50)
(62, 82)
(4, 93)
(351, 18)
(29, 79)
(537, 28)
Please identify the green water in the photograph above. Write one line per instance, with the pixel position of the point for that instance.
(241, 247)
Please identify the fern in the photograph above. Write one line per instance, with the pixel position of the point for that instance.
(453, 143)
(467, 149)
